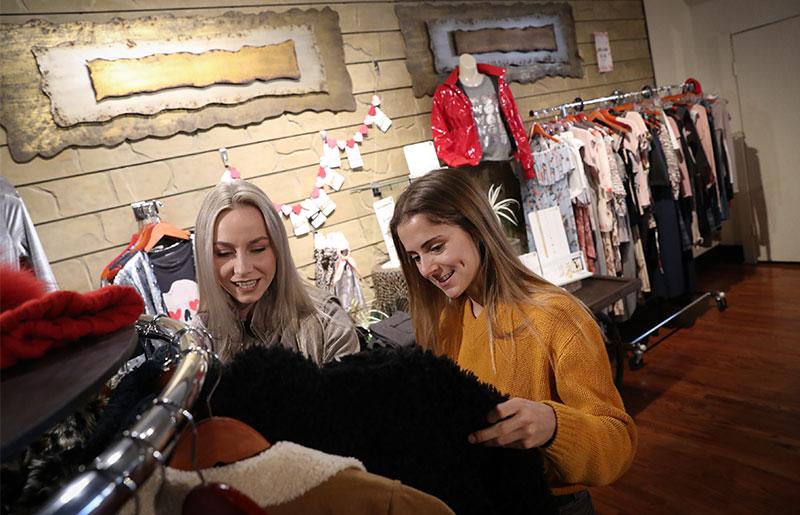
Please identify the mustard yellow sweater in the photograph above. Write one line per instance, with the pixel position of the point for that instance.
(561, 360)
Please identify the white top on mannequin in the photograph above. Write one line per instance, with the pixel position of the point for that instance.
(468, 73)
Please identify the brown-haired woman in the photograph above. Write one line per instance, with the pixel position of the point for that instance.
(473, 300)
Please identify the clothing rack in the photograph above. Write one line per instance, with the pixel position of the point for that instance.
(637, 346)
(117, 473)
(615, 97)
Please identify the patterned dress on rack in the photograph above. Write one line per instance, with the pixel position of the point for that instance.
(550, 188)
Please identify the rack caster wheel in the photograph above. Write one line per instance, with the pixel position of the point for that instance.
(722, 301)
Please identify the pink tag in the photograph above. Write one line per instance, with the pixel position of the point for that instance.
(296, 209)
(371, 111)
(315, 193)
(363, 129)
(234, 173)
(350, 143)
(321, 172)
(331, 142)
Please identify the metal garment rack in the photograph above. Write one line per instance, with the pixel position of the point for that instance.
(637, 346)
(117, 473)
(616, 97)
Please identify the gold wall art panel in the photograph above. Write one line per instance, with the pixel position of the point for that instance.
(123, 77)
(49, 104)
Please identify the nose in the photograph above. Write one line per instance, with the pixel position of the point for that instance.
(426, 267)
(242, 264)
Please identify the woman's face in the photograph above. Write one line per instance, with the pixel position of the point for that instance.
(445, 255)
(244, 260)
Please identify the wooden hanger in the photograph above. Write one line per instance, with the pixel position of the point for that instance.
(219, 440)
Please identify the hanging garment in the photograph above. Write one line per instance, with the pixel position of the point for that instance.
(405, 414)
(455, 135)
(289, 479)
(174, 270)
(550, 188)
(19, 242)
(138, 273)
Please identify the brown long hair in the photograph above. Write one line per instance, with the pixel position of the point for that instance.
(450, 196)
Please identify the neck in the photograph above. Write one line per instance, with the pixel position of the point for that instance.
(470, 77)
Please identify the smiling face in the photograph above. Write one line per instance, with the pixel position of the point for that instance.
(244, 260)
(444, 254)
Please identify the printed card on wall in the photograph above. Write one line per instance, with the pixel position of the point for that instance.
(353, 155)
(331, 156)
(603, 48)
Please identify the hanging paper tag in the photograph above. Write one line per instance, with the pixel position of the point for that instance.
(318, 219)
(326, 205)
(300, 224)
(334, 179)
(331, 154)
(382, 121)
(309, 208)
(353, 155)
(286, 209)
(358, 137)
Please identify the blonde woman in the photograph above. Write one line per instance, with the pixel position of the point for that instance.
(250, 291)
(472, 300)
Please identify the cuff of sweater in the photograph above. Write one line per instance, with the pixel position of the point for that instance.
(567, 443)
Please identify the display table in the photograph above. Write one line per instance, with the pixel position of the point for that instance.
(599, 293)
(37, 394)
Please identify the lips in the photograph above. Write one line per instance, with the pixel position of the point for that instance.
(442, 279)
(246, 285)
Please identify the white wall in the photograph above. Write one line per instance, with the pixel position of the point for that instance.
(692, 38)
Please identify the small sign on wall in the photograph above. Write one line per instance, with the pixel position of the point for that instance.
(603, 48)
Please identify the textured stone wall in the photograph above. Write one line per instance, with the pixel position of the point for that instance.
(79, 199)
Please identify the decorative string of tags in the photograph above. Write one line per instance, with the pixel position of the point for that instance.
(315, 210)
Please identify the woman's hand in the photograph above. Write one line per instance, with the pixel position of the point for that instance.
(518, 423)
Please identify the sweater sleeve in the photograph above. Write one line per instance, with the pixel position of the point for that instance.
(595, 438)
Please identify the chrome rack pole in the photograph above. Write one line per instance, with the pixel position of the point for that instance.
(125, 465)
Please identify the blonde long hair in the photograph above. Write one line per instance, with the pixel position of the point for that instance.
(450, 196)
(286, 301)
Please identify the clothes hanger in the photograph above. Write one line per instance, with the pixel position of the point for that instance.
(538, 130)
(210, 498)
(159, 231)
(216, 440)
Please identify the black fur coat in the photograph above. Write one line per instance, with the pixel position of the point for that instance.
(405, 414)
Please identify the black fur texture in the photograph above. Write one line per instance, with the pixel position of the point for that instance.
(404, 413)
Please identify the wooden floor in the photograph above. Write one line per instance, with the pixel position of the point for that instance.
(718, 405)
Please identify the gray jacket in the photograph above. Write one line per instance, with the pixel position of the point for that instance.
(326, 335)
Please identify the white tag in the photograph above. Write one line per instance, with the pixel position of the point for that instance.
(382, 121)
(334, 179)
(319, 182)
(286, 209)
(331, 156)
(421, 158)
(358, 137)
(300, 224)
(318, 220)
(341, 143)
(309, 208)
(325, 204)
(354, 156)
(384, 209)
(376, 100)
